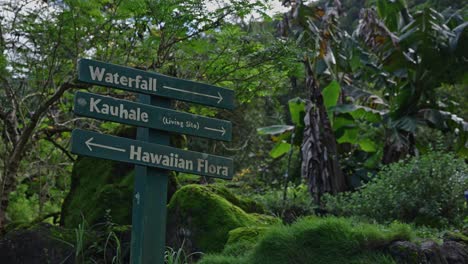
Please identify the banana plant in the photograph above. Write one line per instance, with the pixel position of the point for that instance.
(287, 136)
(415, 54)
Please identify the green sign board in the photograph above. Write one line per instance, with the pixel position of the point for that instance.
(150, 152)
(130, 79)
(147, 154)
(144, 115)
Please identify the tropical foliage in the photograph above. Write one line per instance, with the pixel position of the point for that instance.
(352, 108)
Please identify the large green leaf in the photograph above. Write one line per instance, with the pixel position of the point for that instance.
(459, 31)
(390, 11)
(343, 120)
(368, 145)
(350, 135)
(297, 111)
(280, 149)
(406, 123)
(331, 94)
(274, 130)
(445, 120)
(360, 112)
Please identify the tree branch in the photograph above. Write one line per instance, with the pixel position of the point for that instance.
(15, 157)
(64, 151)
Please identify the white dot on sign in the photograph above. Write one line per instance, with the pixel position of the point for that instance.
(82, 102)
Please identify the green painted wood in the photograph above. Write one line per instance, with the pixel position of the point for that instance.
(139, 81)
(147, 154)
(149, 200)
(144, 115)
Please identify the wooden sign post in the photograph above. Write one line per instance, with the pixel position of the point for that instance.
(150, 152)
(150, 199)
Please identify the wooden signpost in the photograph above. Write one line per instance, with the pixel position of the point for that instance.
(150, 151)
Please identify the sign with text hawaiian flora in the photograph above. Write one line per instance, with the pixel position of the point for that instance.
(98, 145)
(143, 115)
(130, 79)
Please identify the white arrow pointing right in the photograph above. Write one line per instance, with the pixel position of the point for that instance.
(219, 97)
(222, 130)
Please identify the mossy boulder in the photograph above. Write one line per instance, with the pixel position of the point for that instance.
(242, 239)
(327, 240)
(102, 190)
(245, 203)
(99, 188)
(246, 234)
(202, 219)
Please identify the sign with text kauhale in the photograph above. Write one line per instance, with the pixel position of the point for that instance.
(148, 241)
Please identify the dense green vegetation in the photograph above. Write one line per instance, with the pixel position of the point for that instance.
(350, 140)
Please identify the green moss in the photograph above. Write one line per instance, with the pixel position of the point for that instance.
(242, 239)
(63, 234)
(267, 219)
(249, 234)
(186, 178)
(98, 186)
(102, 190)
(456, 236)
(220, 259)
(328, 240)
(208, 216)
(245, 203)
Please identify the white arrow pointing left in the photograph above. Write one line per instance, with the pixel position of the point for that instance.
(90, 143)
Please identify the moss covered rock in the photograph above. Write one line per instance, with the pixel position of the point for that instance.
(324, 240)
(103, 189)
(202, 219)
(246, 235)
(245, 203)
(99, 188)
(242, 239)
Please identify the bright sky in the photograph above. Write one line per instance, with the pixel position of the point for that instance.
(274, 6)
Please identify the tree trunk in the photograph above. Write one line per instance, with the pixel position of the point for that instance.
(8, 185)
(320, 164)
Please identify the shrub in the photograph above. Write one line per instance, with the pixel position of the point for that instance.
(427, 190)
(298, 202)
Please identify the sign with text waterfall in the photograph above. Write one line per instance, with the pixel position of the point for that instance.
(139, 81)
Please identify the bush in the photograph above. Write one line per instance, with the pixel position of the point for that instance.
(426, 190)
(298, 202)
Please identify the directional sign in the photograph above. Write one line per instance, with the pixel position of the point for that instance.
(130, 79)
(142, 153)
(144, 115)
